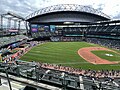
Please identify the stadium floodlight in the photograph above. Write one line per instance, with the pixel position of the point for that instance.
(68, 22)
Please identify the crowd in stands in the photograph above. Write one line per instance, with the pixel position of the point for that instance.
(9, 56)
(42, 34)
(11, 39)
(13, 54)
(66, 39)
(89, 73)
(105, 42)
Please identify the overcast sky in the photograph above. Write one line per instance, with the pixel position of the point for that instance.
(25, 7)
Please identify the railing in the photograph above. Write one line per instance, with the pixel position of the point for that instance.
(31, 70)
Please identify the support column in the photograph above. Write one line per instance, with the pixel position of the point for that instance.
(19, 22)
(0, 82)
(15, 24)
(1, 22)
(29, 30)
(1, 27)
(8, 79)
(27, 33)
(9, 23)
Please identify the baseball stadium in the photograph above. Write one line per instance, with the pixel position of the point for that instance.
(66, 46)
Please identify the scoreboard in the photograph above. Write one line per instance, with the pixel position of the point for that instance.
(34, 28)
(39, 28)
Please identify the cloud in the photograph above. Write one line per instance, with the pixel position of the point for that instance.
(117, 16)
(101, 7)
(25, 7)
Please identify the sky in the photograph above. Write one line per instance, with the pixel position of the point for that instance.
(26, 7)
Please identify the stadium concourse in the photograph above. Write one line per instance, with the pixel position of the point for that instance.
(59, 23)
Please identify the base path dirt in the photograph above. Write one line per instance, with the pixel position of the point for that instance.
(86, 54)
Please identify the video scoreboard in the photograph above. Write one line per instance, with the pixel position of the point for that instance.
(42, 28)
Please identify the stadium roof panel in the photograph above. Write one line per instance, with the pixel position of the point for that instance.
(67, 7)
(103, 22)
(13, 16)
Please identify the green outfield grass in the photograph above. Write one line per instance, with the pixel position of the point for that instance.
(64, 53)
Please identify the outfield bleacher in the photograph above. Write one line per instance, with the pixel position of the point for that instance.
(110, 43)
(11, 39)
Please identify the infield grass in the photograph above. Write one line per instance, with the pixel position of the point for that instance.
(108, 55)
